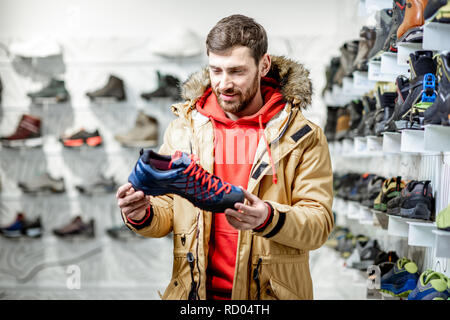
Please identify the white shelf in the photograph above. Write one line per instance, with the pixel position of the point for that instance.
(404, 50)
(436, 36)
(360, 144)
(389, 65)
(437, 138)
(412, 141)
(398, 226)
(391, 142)
(353, 210)
(375, 73)
(361, 81)
(365, 216)
(442, 243)
(374, 143)
(420, 234)
(382, 218)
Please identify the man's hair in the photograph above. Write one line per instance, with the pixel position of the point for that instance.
(237, 30)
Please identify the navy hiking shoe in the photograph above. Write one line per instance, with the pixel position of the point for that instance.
(156, 174)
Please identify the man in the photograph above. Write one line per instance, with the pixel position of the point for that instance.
(242, 118)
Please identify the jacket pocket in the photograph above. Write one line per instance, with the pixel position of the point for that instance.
(275, 290)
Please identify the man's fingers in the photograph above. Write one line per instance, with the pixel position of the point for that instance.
(122, 190)
(135, 206)
(131, 198)
(246, 209)
(239, 225)
(131, 211)
(249, 196)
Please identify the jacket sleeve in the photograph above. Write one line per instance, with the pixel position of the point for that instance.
(160, 222)
(307, 222)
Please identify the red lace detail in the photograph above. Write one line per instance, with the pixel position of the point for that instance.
(197, 172)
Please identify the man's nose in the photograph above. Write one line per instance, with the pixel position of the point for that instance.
(226, 82)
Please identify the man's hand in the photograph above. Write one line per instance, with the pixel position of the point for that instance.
(247, 217)
(132, 203)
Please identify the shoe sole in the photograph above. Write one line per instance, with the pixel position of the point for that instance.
(393, 211)
(420, 211)
(403, 292)
(33, 232)
(91, 142)
(21, 143)
(50, 100)
(412, 35)
(140, 144)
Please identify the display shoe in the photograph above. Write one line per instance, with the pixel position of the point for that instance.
(370, 104)
(443, 219)
(100, 186)
(114, 89)
(356, 113)
(168, 87)
(402, 89)
(421, 63)
(437, 11)
(27, 134)
(156, 174)
(330, 126)
(366, 42)
(390, 189)
(337, 233)
(386, 102)
(401, 279)
(23, 227)
(364, 254)
(330, 72)
(431, 285)
(55, 90)
(439, 111)
(122, 232)
(416, 201)
(373, 189)
(81, 138)
(411, 29)
(144, 134)
(76, 228)
(343, 122)
(43, 183)
(397, 19)
(384, 21)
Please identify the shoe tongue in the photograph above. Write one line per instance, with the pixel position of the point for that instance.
(436, 279)
(180, 159)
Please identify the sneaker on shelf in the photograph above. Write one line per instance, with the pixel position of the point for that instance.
(55, 90)
(336, 234)
(100, 186)
(23, 227)
(443, 219)
(391, 188)
(82, 137)
(440, 13)
(43, 183)
(401, 279)
(122, 232)
(384, 21)
(386, 261)
(343, 122)
(113, 89)
(417, 201)
(144, 134)
(398, 7)
(27, 134)
(180, 174)
(431, 285)
(439, 111)
(76, 228)
(373, 189)
(411, 28)
(168, 87)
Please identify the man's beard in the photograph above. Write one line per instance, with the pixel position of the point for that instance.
(243, 100)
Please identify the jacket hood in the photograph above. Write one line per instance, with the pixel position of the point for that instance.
(293, 77)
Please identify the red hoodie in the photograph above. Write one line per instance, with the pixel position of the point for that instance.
(235, 144)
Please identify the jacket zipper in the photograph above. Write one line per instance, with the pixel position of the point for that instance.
(193, 292)
(257, 280)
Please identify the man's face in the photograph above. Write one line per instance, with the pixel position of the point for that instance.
(235, 79)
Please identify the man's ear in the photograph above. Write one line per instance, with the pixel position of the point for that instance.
(264, 64)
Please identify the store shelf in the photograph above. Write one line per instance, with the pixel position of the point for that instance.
(436, 138)
(374, 143)
(421, 234)
(398, 226)
(365, 215)
(392, 142)
(412, 141)
(375, 73)
(404, 50)
(389, 65)
(442, 243)
(353, 210)
(361, 81)
(436, 36)
(360, 144)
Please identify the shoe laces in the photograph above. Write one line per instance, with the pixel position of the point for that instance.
(200, 174)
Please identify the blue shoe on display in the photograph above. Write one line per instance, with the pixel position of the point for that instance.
(156, 174)
(401, 279)
(431, 285)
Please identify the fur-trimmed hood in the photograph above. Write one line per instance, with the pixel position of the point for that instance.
(293, 77)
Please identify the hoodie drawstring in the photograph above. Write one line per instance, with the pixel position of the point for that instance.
(274, 174)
